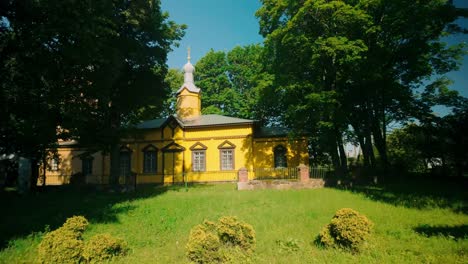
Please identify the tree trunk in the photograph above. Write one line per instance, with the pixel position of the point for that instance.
(114, 147)
(114, 165)
(343, 159)
(44, 171)
(34, 175)
(369, 149)
(380, 144)
(335, 158)
(365, 154)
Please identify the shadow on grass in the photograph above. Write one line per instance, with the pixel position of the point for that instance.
(419, 192)
(52, 205)
(454, 232)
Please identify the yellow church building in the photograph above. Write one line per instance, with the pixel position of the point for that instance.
(187, 147)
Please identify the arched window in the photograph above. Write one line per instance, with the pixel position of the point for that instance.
(87, 165)
(150, 157)
(280, 157)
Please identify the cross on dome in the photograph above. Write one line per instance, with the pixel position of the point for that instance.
(188, 76)
(188, 53)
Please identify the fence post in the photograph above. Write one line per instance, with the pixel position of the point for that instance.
(303, 173)
(243, 179)
(243, 175)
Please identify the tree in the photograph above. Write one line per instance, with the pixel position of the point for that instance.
(174, 79)
(356, 64)
(218, 97)
(440, 142)
(92, 68)
(233, 82)
(314, 53)
(250, 81)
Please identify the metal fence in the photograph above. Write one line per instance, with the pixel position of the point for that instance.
(319, 172)
(205, 176)
(276, 173)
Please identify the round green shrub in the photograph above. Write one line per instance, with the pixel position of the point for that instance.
(204, 244)
(76, 224)
(60, 246)
(103, 247)
(348, 229)
(65, 244)
(236, 233)
(226, 240)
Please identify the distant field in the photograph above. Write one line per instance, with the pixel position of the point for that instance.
(156, 221)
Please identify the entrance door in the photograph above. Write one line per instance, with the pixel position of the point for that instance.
(125, 166)
(173, 155)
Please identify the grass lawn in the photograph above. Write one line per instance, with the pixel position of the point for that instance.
(156, 221)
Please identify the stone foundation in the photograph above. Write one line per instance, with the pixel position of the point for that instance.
(280, 184)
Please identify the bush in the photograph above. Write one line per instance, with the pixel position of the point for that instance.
(65, 244)
(235, 233)
(348, 229)
(103, 247)
(76, 224)
(60, 246)
(204, 244)
(222, 241)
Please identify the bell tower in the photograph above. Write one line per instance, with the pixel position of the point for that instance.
(188, 95)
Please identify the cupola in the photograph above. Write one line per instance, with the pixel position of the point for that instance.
(188, 95)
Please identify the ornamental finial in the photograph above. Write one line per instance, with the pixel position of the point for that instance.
(188, 54)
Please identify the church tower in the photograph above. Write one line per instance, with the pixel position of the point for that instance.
(188, 95)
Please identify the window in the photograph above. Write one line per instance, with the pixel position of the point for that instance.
(149, 161)
(87, 166)
(227, 159)
(54, 164)
(226, 155)
(198, 157)
(198, 160)
(280, 157)
(125, 165)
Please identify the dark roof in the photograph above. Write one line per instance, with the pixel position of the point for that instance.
(213, 120)
(155, 123)
(203, 120)
(265, 132)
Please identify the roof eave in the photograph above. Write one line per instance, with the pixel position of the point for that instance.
(219, 125)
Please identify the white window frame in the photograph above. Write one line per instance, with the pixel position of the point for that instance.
(198, 160)
(226, 156)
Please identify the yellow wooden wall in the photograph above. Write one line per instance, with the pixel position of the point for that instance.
(249, 153)
(70, 163)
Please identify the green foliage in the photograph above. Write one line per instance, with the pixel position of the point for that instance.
(348, 229)
(288, 245)
(359, 64)
(103, 247)
(234, 83)
(76, 224)
(65, 244)
(204, 244)
(236, 233)
(438, 143)
(173, 80)
(92, 89)
(223, 241)
(60, 246)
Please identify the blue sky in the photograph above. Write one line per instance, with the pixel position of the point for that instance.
(217, 24)
(224, 24)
